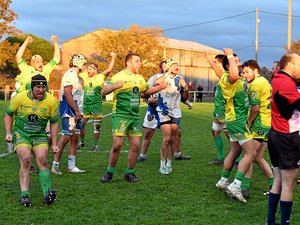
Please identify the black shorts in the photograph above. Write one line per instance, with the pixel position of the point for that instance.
(284, 149)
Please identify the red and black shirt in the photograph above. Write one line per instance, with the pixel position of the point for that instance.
(285, 103)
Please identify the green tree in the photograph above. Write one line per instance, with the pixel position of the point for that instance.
(144, 41)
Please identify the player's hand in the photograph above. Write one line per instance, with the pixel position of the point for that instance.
(8, 138)
(190, 105)
(54, 39)
(29, 39)
(152, 99)
(228, 51)
(55, 149)
(113, 54)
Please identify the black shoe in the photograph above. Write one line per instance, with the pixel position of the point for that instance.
(50, 197)
(34, 170)
(107, 177)
(268, 191)
(183, 157)
(236, 164)
(25, 201)
(216, 162)
(141, 159)
(130, 177)
(246, 194)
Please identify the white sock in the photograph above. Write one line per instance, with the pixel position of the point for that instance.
(71, 161)
(55, 164)
(237, 183)
(162, 163)
(169, 162)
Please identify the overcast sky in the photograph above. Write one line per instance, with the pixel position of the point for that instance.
(218, 23)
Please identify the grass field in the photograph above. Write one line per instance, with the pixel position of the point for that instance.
(187, 196)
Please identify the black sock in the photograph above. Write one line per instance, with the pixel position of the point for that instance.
(285, 212)
(272, 207)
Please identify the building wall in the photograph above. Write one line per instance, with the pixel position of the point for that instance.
(193, 64)
(194, 67)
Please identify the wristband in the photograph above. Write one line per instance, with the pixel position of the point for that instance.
(230, 56)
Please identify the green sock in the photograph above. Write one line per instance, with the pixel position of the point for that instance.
(239, 176)
(129, 170)
(225, 173)
(24, 193)
(239, 158)
(45, 180)
(246, 183)
(220, 148)
(111, 169)
(95, 143)
(270, 181)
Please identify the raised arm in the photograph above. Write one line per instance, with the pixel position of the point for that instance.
(212, 63)
(233, 67)
(21, 50)
(111, 64)
(56, 55)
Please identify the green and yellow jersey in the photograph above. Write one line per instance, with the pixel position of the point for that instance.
(236, 98)
(27, 72)
(127, 98)
(259, 92)
(92, 88)
(31, 115)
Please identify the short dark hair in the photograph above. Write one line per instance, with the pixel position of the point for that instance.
(220, 56)
(225, 62)
(285, 59)
(160, 66)
(252, 64)
(129, 56)
(38, 80)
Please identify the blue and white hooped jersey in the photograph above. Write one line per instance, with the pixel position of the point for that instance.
(70, 78)
(169, 98)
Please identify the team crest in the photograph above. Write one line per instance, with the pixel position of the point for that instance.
(150, 118)
(135, 90)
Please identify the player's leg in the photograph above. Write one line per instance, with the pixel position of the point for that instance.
(96, 133)
(24, 155)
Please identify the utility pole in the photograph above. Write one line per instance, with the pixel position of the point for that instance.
(256, 34)
(289, 41)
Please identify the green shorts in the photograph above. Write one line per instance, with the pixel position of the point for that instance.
(123, 126)
(238, 131)
(260, 133)
(32, 141)
(219, 116)
(92, 111)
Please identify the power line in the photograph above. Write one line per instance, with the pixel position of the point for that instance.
(210, 21)
(187, 26)
(278, 14)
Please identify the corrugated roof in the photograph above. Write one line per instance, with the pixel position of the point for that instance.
(189, 45)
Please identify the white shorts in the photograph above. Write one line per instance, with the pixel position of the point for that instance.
(219, 127)
(150, 119)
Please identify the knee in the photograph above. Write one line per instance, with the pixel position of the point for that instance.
(43, 162)
(26, 162)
